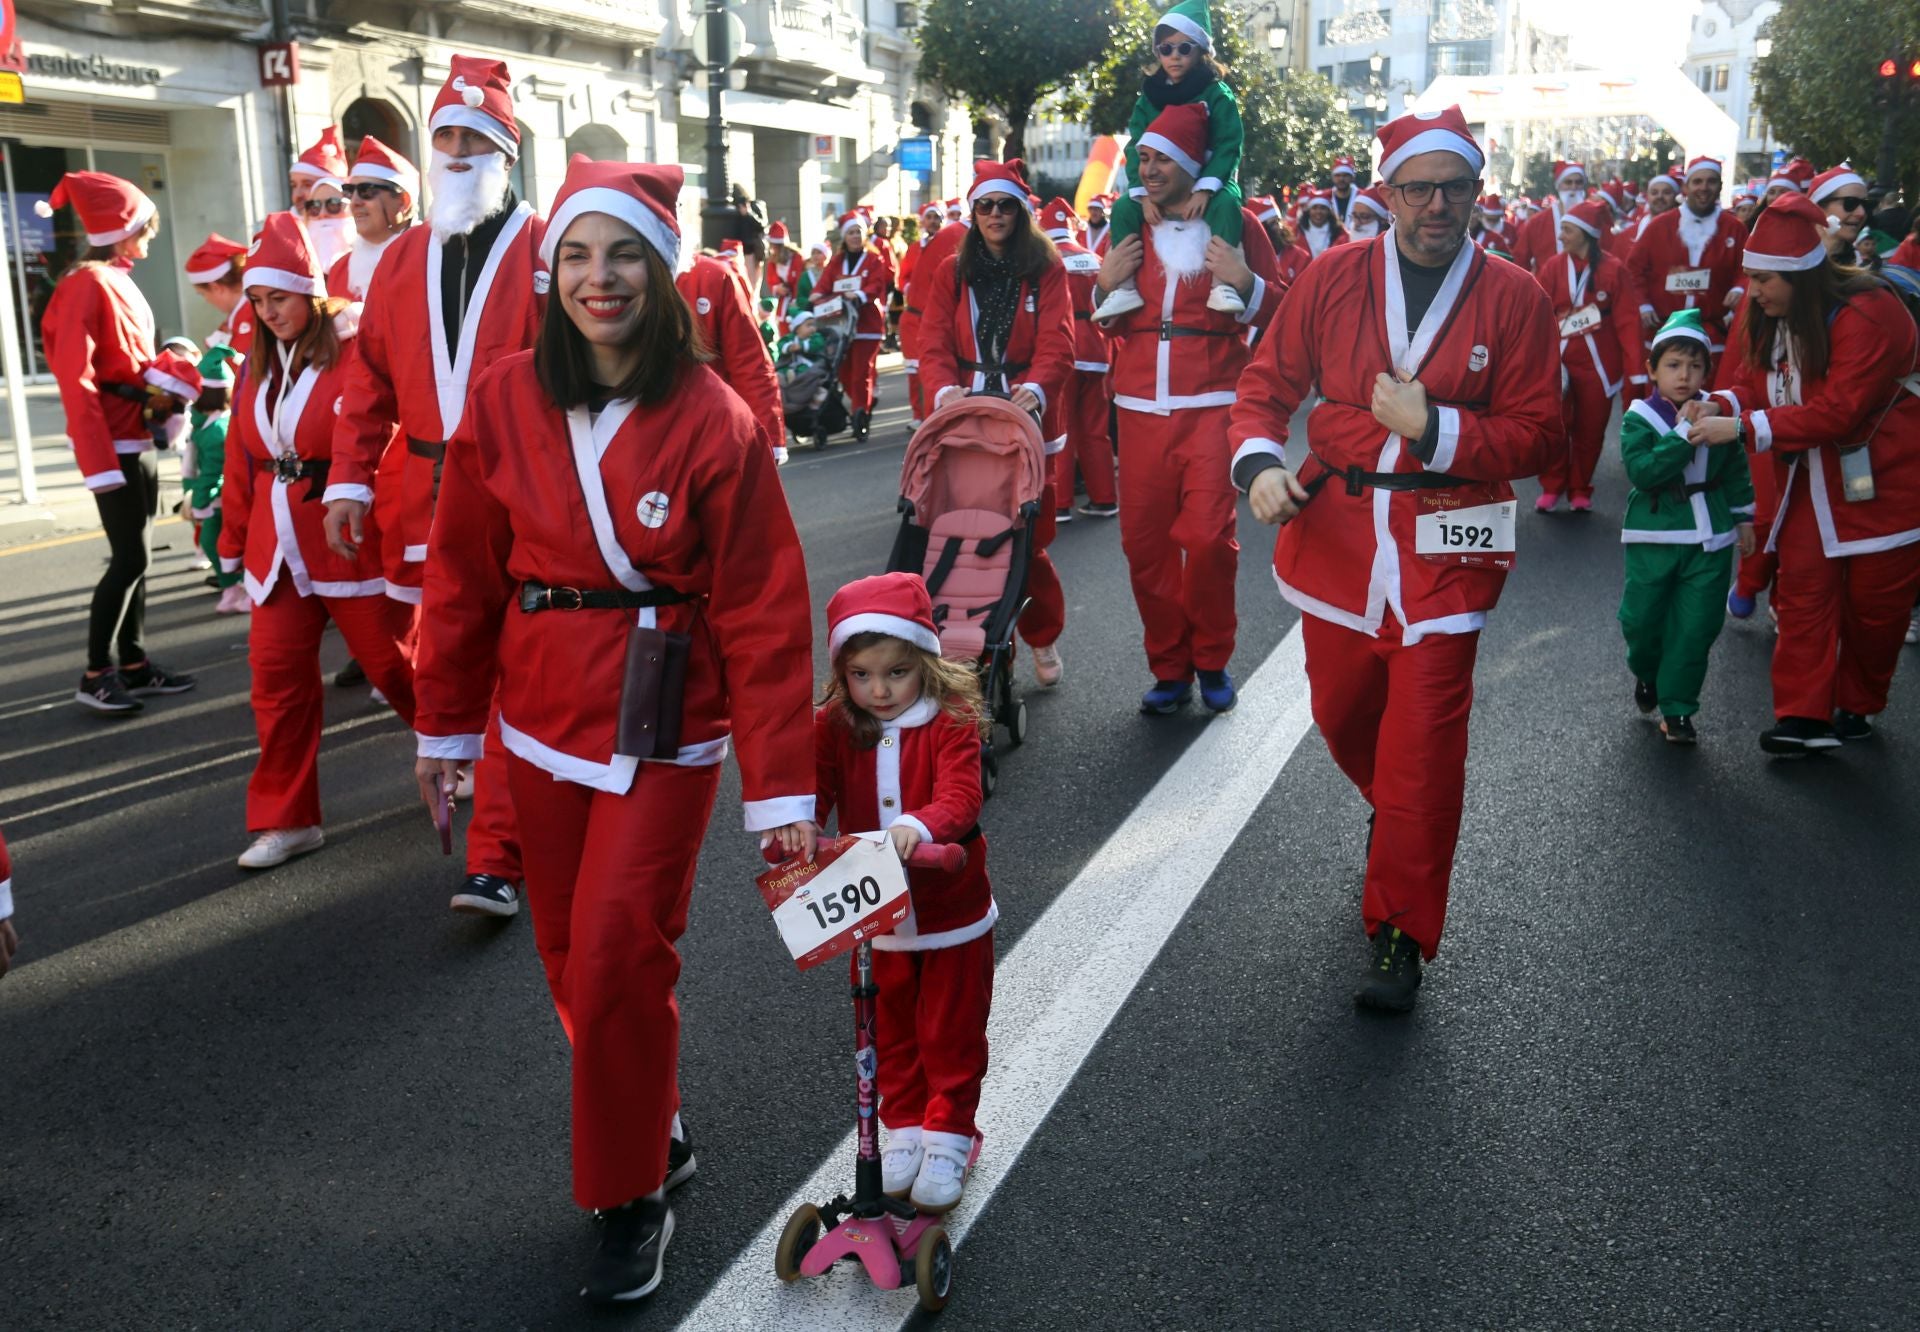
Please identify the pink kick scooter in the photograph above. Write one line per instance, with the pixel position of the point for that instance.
(886, 1235)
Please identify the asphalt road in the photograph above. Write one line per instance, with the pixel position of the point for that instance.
(1659, 1077)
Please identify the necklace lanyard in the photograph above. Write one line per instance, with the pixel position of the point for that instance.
(280, 398)
(1577, 281)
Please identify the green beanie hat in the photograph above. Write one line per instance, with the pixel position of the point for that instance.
(1684, 324)
(1190, 17)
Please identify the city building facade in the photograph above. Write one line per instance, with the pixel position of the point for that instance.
(1727, 38)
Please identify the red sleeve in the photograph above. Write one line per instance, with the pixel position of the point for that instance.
(368, 406)
(939, 362)
(236, 494)
(1052, 363)
(1625, 315)
(826, 765)
(1508, 439)
(1872, 351)
(875, 278)
(1734, 380)
(749, 372)
(1279, 376)
(1260, 254)
(954, 808)
(908, 262)
(71, 331)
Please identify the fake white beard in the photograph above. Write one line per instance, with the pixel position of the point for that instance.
(1317, 238)
(1696, 231)
(1571, 199)
(330, 236)
(362, 259)
(462, 200)
(1182, 247)
(1362, 227)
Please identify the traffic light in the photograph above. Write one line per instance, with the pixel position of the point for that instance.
(1886, 80)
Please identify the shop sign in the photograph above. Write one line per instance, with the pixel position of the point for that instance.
(94, 68)
(826, 146)
(916, 155)
(280, 65)
(11, 93)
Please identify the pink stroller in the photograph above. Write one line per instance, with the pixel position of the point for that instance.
(969, 502)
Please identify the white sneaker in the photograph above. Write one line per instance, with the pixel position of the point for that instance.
(1225, 299)
(234, 600)
(199, 560)
(780, 455)
(1913, 630)
(943, 1174)
(1047, 666)
(277, 846)
(379, 697)
(1121, 300)
(900, 1161)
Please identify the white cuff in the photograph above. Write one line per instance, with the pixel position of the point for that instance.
(414, 555)
(1683, 429)
(1211, 184)
(101, 480)
(1736, 291)
(1038, 392)
(1136, 192)
(926, 834)
(1253, 301)
(1647, 309)
(1762, 433)
(1449, 443)
(765, 815)
(1258, 444)
(359, 494)
(1055, 445)
(229, 564)
(6, 898)
(941, 396)
(1741, 511)
(450, 746)
(1636, 379)
(1731, 398)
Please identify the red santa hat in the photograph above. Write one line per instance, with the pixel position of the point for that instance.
(1593, 216)
(1616, 193)
(326, 160)
(1370, 199)
(1490, 206)
(778, 233)
(174, 373)
(953, 209)
(895, 604)
(642, 195)
(1427, 132)
(933, 208)
(1563, 169)
(730, 248)
(215, 256)
(1265, 207)
(476, 97)
(110, 208)
(1180, 132)
(1059, 220)
(1832, 181)
(375, 162)
(282, 257)
(853, 217)
(1790, 236)
(991, 177)
(1311, 195)
(1344, 163)
(1795, 175)
(1101, 201)
(1704, 163)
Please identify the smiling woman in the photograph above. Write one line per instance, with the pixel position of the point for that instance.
(619, 328)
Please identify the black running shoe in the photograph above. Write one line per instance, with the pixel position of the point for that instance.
(153, 678)
(861, 421)
(680, 1160)
(1795, 737)
(349, 675)
(1100, 510)
(1852, 726)
(1679, 731)
(1392, 975)
(1645, 696)
(632, 1254)
(487, 895)
(106, 693)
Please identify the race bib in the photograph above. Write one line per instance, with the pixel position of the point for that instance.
(827, 309)
(1586, 317)
(853, 889)
(1692, 280)
(1480, 536)
(1081, 263)
(847, 286)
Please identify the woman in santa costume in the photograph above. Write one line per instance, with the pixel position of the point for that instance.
(279, 453)
(781, 272)
(1086, 407)
(859, 275)
(215, 270)
(932, 252)
(933, 219)
(1319, 230)
(99, 337)
(998, 319)
(617, 504)
(1819, 387)
(1599, 318)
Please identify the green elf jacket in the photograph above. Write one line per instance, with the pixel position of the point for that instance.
(1683, 494)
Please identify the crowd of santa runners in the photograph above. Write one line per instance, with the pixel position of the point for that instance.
(521, 462)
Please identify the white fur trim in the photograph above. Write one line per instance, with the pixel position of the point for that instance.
(1433, 141)
(1182, 24)
(615, 203)
(876, 622)
(362, 494)
(202, 276)
(104, 480)
(459, 747)
(302, 284)
(466, 117)
(986, 187)
(1162, 144)
(178, 388)
(1843, 179)
(6, 897)
(1592, 231)
(778, 812)
(142, 212)
(1785, 263)
(1571, 169)
(375, 174)
(309, 169)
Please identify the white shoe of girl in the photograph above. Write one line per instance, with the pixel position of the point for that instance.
(277, 846)
(943, 1174)
(900, 1161)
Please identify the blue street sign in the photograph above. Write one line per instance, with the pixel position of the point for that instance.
(1779, 158)
(916, 154)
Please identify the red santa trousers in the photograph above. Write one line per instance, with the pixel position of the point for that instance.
(493, 833)
(1584, 409)
(931, 1034)
(1089, 448)
(1177, 531)
(1395, 720)
(1754, 574)
(858, 369)
(1045, 617)
(1842, 620)
(615, 873)
(283, 652)
(910, 353)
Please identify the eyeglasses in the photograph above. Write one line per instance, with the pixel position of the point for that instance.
(1419, 193)
(369, 190)
(331, 207)
(1851, 203)
(1004, 203)
(1175, 48)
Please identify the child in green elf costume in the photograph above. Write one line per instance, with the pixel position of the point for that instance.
(207, 424)
(1690, 507)
(1183, 45)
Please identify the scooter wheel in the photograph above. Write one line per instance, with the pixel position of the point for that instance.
(933, 1269)
(801, 1234)
(1017, 723)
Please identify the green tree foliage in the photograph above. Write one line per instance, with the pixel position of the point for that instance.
(1816, 87)
(1296, 124)
(1003, 56)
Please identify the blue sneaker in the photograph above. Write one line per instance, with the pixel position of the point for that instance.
(1739, 607)
(1166, 696)
(1217, 691)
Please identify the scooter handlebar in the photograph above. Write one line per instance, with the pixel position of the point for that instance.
(950, 857)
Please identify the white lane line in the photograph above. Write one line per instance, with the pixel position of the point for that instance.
(1055, 993)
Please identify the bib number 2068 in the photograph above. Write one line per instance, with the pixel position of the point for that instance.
(847, 904)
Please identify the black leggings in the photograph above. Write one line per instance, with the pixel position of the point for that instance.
(120, 601)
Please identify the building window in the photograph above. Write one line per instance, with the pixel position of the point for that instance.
(1705, 78)
(1460, 58)
(1359, 73)
(1325, 72)
(1322, 32)
(1720, 78)
(1757, 127)
(381, 119)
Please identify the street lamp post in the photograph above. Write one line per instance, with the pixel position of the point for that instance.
(716, 217)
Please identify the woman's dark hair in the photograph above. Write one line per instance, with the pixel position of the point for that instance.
(1816, 291)
(665, 336)
(103, 254)
(319, 346)
(1209, 68)
(1029, 249)
(1595, 250)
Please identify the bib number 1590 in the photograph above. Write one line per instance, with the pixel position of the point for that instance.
(846, 904)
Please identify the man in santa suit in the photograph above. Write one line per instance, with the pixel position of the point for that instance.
(1097, 225)
(1175, 362)
(859, 276)
(1083, 409)
(1340, 200)
(1540, 234)
(1496, 233)
(1689, 258)
(716, 290)
(1619, 239)
(447, 300)
(1290, 256)
(1443, 389)
(325, 160)
(1368, 216)
(383, 187)
(932, 218)
(924, 255)
(1318, 228)
(215, 270)
(1662, 196)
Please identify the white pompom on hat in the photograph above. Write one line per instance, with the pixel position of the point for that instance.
(1427, 132)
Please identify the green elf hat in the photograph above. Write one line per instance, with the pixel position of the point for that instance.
(1191, 18)
(1684, 324)
(1885, 240)
(215, 364)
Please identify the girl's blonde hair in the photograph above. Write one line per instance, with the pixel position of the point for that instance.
(955, 687)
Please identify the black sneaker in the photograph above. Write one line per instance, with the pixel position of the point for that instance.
(106, 693)
(1679, 731)
(632, 1255)
(349, 675)
(1101, 510)
(1062, 515)
(1852, 726)
(1645, 696)
(1795, 737)
(1392, 975)
(153, 678)
(680, 1160)
(487, 895)
(861, 420)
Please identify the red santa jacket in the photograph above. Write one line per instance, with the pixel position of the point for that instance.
(98, 331)
(1867, 396)
(925, 773)
(678, 494)
(1502, 238)
(941, 244)
(1039, 352)
(236, 330)
(1293, 262)
(1083, 267)
(1673, 250)
(723, 310)
(1175, 353)
(1612, 346)
(1487, 354)
(272, 528)
(1906, 254)
(1539, 236)
(1098, 238)
(869, 278)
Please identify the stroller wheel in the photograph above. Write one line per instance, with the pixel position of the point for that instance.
(801, 1234)
(989, 770)
(1017, 723)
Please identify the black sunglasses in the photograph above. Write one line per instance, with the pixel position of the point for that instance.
(1175, 48)
(1002, 203)
(369, 189)
(1851, 203)
(331, 207)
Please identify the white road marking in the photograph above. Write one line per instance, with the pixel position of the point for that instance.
(1055, 993)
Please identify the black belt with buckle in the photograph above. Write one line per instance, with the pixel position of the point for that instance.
(539, 597)
(434, 449)
(290, 467)
(1170, 330)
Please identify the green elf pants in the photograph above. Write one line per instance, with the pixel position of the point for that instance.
(1222, 217)
(1671, 611)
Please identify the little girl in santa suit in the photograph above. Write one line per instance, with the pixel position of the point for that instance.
(897, 741)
